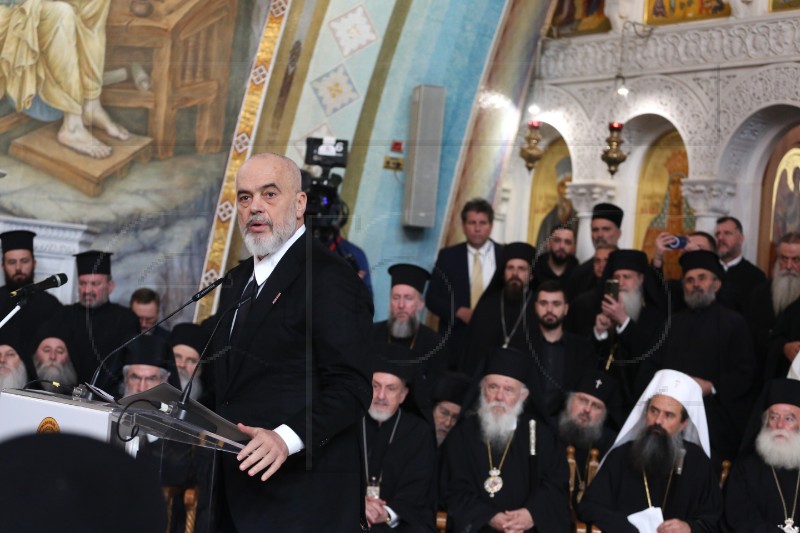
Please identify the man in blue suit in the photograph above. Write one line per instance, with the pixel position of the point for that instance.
(461, 274)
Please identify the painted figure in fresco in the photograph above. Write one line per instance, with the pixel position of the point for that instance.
(52, 55)
(563, 212)
(676, 218)
(786, 217)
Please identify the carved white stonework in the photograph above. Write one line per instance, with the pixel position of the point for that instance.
(677, 48)
(709, 197)
(54, 247)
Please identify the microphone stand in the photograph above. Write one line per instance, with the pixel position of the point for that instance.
(13, 312)
(86, 391)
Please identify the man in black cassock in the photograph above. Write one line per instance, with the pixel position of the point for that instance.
(712, 344)
(658, 474)
(398, 449)
(505, 315)
(627, 328)
(403, 327)
(559, 357)
(769, 299)
(558, 262)
(606, 224)
(762, 490)
(94, 326)
(584, 423)
(739, 275)
(19, 267)
(449, 394)
(502, 469)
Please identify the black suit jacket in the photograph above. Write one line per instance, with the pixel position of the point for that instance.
(299, 361)
(449, 289)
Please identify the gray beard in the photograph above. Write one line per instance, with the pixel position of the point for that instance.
(16, 379)
(658, 453)
(262, 246)
(579, 436)
(496, 429)
(65, 374)
(699, 300)
(785, 288)
(779, 454)
(403, 329)
(632, 302)
(197, 386)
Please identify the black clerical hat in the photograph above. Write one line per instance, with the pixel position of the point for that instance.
(701, 259)
(10, 337)
(393, 358)
(149, 350)
(190, 334)
(635, 260)
(608, 212)
(518, 250)
(407, 274)
(510, 363)
(17, 240)
(598, 384)
(81, 484)
(93, 262)
(451, 387)
(783, 390)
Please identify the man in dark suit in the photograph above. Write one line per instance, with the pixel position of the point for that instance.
(461, 274)
(291, 365)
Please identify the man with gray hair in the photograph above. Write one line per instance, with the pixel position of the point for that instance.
(762, 490)
(502, 469)
(52, 363)
(147, 363)
(12, 370)
(658, 475)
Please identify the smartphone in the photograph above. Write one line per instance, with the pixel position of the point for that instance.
(612, 288)
(678, 243)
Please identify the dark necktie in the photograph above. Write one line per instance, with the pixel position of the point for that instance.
(240, 318)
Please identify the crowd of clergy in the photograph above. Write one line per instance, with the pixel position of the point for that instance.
(540, 392)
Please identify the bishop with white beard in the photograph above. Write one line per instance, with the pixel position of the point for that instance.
(12, 370)
(762, 491)
(502, 469)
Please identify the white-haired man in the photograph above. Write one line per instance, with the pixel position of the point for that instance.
(503, 470)
(13, 374)
(658, 476)
(762, 490)
(52, 363)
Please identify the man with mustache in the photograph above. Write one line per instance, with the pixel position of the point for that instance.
(762, 490)
(19, 268)
(558, 262)
(658, 476)
(606, 229)
(560, 357)
(774, 313)
(505, 315)
(187, 341)
(398, 448)
(502, 469)
(291, 366)
(712, 344)
(403, 327)
(448, 397)
(52, 363)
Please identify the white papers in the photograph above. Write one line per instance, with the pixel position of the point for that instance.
(647, 521)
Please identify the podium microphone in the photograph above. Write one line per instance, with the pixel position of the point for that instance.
(180, 409)
(199, 295)
(56, 280)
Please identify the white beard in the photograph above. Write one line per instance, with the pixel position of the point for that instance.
(264, 245)
(16, 379)
(52, 371)
(785, 288)
(379, 416)
(498, 428)
(403, 329)
(633, 302)
(197, 385)
(779, 453)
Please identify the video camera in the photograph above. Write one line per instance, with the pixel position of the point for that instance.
(324, 207)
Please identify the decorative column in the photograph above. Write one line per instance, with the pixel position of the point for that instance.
(584, 196)
(710, 198)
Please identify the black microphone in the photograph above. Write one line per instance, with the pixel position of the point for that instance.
(180, 409)
(196, 297)
(56, 280)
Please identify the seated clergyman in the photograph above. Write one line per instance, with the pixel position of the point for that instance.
(52, 363)
(658, 476)
(762, 492)
(502, 469)
(13, 374)
(147, 362)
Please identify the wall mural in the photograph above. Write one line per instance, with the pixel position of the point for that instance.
(579, 17)
(122, 125)
(549, 205)
(675, 11)
(660, 205)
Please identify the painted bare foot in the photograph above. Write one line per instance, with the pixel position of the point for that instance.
(95, 115)
(74, 134)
